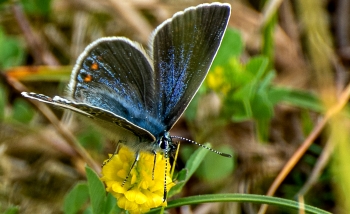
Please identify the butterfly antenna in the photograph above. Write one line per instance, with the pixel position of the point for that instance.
(206, 147)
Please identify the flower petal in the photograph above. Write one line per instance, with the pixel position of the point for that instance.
(140, 192)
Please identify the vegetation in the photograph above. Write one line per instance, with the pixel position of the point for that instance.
(275, 98)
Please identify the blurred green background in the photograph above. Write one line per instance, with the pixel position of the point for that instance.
(281, 69)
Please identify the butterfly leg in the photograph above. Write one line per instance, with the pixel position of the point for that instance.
(115, 152)
(165, 143)
(154, 163)
(166, 152)
(165, 171)
(132, 166)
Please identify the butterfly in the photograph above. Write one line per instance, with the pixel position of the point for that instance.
(123, 87)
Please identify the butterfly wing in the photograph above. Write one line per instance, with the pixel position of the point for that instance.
(183, 50)
(114, 79)
(113, 75)
(91, 112)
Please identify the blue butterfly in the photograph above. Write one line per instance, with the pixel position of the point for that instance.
(123, 87)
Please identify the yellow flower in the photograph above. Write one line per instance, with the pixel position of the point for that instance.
(217, 80)
(140, 192)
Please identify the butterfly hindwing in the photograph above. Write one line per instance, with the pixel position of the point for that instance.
(91, 112)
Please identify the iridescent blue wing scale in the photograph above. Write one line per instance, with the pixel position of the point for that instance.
(183, 50)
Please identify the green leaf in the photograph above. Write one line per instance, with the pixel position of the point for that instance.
(191, 110)
(215, 167)
(88, 211)
(262, 129)
(3, 1)
(262, 107)
(12, 210)
(260, 199)
(111, 205)
(268, 40)
(231, 46)
(12, 51)
(37, 7)
(245, 93)
(96, 190)
(91, 138)
(277, 95)
(236, 73)
(243, 96)
(256, 66)
(237, 110)
(182, 175)
(22, 111)
(266, 82)
(191, 166)
(3, 101)
(307, 122)
(196, 159)
(263, 112)
(296, 98)
(76, 198)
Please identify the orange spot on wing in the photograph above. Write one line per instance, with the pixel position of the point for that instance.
(94, 66)
(88, 78)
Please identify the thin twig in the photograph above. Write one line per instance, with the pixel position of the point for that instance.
(135, 20)
(319, 166)
(39, 53)
(343, 99)
(342, 27)
(270, 9)
(66, 134)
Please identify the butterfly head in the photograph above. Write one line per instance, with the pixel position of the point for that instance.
(166, 144)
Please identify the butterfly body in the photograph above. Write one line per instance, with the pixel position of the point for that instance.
(123, 87)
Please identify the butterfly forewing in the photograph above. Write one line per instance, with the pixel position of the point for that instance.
(115, 74)
(183, 50)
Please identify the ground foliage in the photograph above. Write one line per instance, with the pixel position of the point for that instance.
(279, 82)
